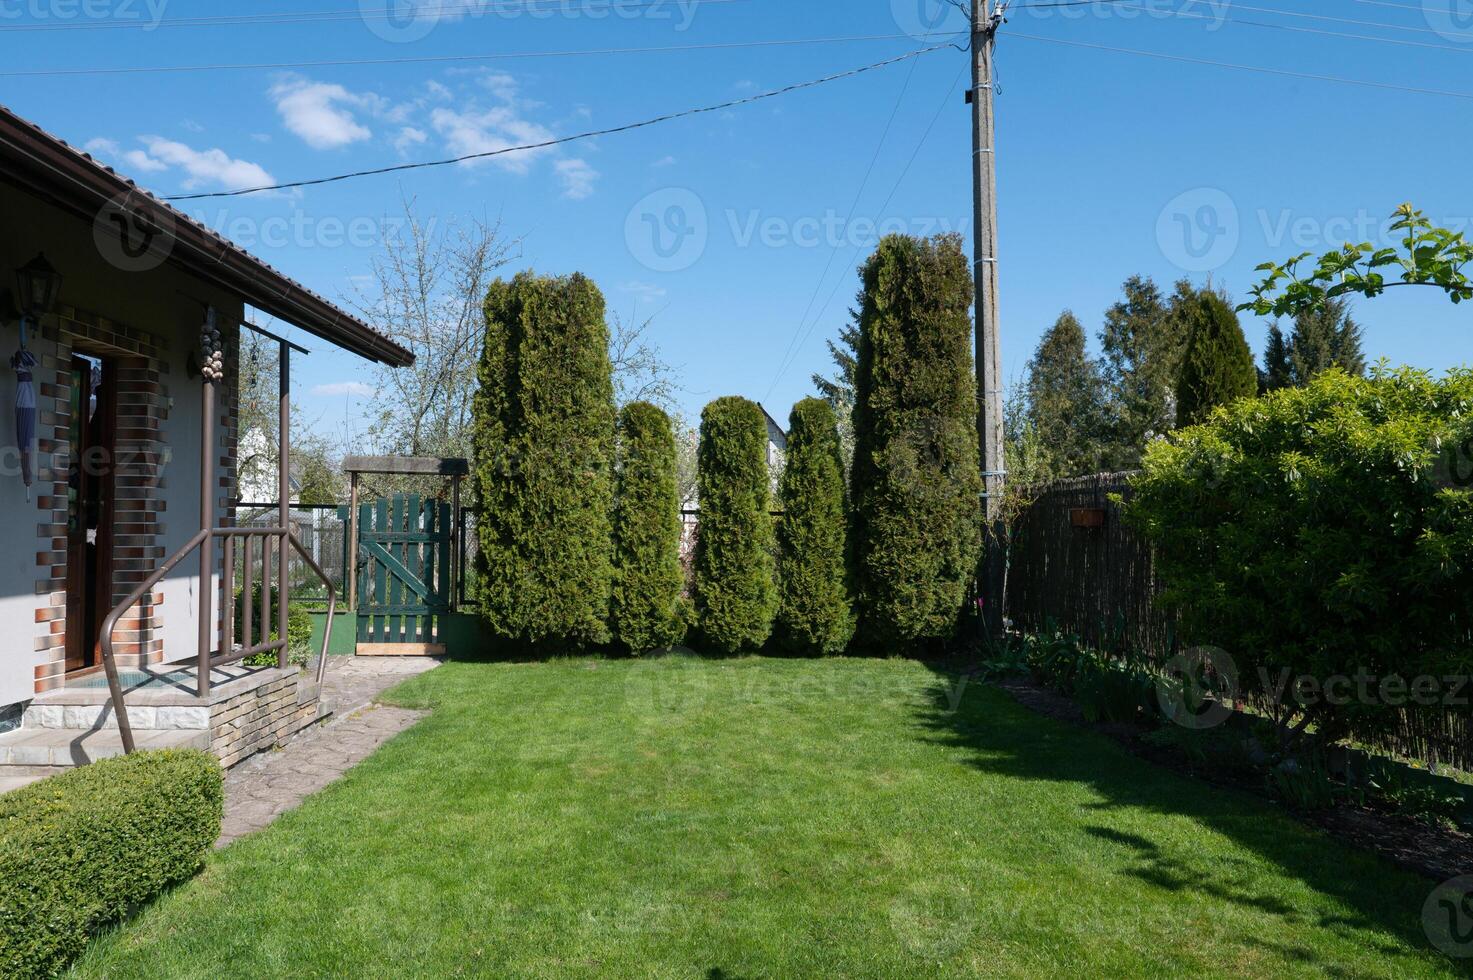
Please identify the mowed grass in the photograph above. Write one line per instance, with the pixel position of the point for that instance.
(768, 818)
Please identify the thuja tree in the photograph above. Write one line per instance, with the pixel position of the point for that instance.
(544, 443)
(647, 574)
(1324, 533)
(735, 594)
(1217, 367)
(916, 483)
(814, 615)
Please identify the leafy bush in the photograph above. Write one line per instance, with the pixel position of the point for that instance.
(648, 579)
(814, 614)
(298, 629)
(544, 446)
(84, 848)
(735, 594)
(1113, 689)
(916, 482)
(1320, 533)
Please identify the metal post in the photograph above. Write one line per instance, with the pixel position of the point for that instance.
(456, 546)
(206, 522)
(351, 571)
(988, 354)
(284, 498)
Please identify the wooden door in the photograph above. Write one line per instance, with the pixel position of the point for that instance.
(90, 471)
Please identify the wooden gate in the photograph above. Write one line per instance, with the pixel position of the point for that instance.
(404, 575)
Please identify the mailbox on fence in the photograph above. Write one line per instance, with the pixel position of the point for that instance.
(1087, 516)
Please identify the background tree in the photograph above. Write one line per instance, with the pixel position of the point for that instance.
(544, 442)
(916, 486)
(645, 611)
(735, 595)
(1065, 401)
(1218, 367)
(425, 291)
(838, 389)
(814, 610)
(1142, 344)
(1277, 371)
(1324, 336)
(315, 458)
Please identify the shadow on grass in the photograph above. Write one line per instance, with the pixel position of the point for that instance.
(1020, 744)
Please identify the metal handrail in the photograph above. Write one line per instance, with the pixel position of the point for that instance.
(109, 661)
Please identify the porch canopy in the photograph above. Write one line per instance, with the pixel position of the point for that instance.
(47, 167)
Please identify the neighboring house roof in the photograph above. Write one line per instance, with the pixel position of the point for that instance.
(772, 422)
(40, 163)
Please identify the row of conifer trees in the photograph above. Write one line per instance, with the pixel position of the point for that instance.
(580, 513)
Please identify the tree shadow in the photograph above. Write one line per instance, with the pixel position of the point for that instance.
(1007, 739)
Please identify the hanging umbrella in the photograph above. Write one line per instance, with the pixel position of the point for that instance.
(24, 363)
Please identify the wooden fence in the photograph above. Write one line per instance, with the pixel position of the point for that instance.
(1074, 564)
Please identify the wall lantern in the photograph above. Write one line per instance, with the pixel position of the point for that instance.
(39, 285)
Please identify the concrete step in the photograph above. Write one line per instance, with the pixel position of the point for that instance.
(8, 783)
(88, 717)
(70, 747)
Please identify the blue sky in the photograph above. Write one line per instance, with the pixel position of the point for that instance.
(728, 227)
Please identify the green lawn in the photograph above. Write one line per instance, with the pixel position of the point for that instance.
(768, 818)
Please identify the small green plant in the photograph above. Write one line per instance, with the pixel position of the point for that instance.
(1304, 783)
(298, 629)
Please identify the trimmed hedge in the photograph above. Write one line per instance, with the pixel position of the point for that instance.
(916, 482)
(814, 615)
(735, 594)
(85, 848)
(544, 450)
(645, 613)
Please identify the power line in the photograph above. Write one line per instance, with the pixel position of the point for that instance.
(457, 10)
(905, 171)
(1236, 7)
(793, 343)
(797, 86)
(1308, 30)
(1389, 86)
(454, 58)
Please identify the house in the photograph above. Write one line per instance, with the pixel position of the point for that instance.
(131, 313)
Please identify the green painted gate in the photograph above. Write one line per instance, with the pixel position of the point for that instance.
(404, 572)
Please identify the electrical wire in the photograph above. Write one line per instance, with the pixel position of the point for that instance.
(454, 58)
(1282, 72)
(748, 100)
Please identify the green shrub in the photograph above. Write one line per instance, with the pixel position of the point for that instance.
(83, 849)
(814, 613)
(298, 628)
(543, 434)
(916, 483)
(645, 612)
(1320, 533)
(735, 595)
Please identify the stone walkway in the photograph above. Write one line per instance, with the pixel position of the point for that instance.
(262, 788)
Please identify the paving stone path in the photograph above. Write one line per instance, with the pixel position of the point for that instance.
(261, 789)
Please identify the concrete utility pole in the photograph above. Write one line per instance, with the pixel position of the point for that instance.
(988, 357)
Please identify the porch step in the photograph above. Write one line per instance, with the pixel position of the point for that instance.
(42, 715)
(74, 747)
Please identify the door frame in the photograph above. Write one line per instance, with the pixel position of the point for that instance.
(90, 582)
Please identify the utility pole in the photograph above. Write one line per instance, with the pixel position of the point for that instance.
(993, 578)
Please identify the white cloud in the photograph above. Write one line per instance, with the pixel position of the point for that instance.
(201, 167)
(191, 126)
(665, 161)
(577, 177)
(101, 146)
(646, 291)
(409, 136)
(323, 114)
(340, 389)
(486, 131)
